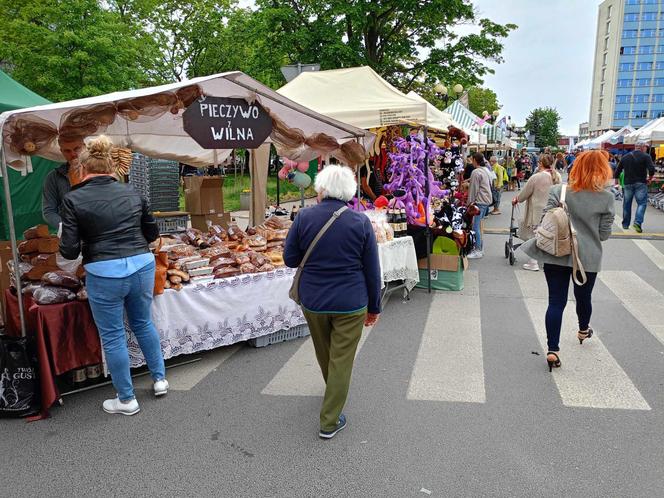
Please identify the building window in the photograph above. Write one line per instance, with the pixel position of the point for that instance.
(633, 2)
(606, 43)
(599, 119)
(630, 50)
(646, 49)
(642, 82)
(658, 82)
(608, 12)
(640, 115)
(601, 90)
(648, 33)
(650, 2)
(621, 115)
(604, 59)
(649, 16)
(626, 66)
(659, 65)
(630, 33)
(644, 66)
(658, 97)
(622, 99)
(641, 99)
(601, 104)
(657, 114)
(603, 74)
(622, 83)
(631, 17)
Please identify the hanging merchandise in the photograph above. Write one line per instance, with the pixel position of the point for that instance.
(19, 387)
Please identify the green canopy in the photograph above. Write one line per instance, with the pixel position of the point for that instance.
(25, 190)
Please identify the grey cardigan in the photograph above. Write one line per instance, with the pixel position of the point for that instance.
(592, 215)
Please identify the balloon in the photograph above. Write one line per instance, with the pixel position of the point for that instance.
(283, 173)
(303, 167)
(289, 163)
(301, 180)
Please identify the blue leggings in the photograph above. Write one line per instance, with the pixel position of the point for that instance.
(557, 279)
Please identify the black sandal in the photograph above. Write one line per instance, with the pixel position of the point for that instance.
(553, 362)
(582, 336)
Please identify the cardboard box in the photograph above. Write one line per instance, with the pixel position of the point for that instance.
(200, 220)
(444, 262)
(203, 194)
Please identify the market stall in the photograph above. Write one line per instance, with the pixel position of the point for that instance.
(153, 121)
(468, 120)
(651, 133)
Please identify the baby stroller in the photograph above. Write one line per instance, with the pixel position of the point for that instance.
(510, 245)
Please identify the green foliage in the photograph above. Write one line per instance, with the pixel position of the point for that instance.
(482, 99)
(411, 43)
(543, 123)
(70, 49)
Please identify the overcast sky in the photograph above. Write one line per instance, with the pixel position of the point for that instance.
(548, 60)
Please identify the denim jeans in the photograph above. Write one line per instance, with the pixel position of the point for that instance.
(638, 191)
(497, 194)
(477, 220)
(557, 280)
(108, 298)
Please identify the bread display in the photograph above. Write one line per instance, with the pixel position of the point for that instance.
(36, 232)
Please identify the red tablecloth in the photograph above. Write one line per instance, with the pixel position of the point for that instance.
(66, 337)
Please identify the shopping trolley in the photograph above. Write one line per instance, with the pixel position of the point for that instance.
(510, 245)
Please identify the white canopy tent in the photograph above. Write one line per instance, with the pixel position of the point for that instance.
(164, 137)
(596, 143)
(162, 134)
(619, 136)
(651, 132)
(360, 97)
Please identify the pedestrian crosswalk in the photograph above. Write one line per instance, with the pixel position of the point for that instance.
(450, 364)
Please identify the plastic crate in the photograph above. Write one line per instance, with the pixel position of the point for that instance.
(280, 336)
(172, 224)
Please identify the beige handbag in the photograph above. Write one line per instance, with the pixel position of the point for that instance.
(556, 236)
(294, 292)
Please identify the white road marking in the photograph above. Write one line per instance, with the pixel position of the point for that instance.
(652, 252)
(300, 375)
(186, 377)
(641, 299)
(590, 377)
(449, 364)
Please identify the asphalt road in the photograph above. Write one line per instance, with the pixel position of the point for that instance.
(448, 399)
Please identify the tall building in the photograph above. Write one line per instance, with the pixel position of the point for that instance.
(628, 76)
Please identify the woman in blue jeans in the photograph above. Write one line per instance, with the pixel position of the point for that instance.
(111, 225)
(592, 210)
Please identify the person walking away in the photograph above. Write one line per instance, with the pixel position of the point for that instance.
(639, 170)
(592, 210)
(535, 194)
(339, 286)
(510, 167)
(479, 193)
(522, 165)
(60, 181)
(560, 162)
(110, 223)
(498, 183)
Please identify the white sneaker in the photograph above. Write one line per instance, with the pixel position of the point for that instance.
(475, 255)
(116, 406)
(161, 387)
(531, 266)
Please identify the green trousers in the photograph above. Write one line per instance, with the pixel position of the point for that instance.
(335, 339)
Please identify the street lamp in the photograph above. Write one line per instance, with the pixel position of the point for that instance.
(443, 93)
(491, 118)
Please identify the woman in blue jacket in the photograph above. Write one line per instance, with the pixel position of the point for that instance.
(339, 287)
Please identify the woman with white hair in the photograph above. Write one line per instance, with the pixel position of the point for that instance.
(339, 286)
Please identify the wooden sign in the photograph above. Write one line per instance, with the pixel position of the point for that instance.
(227, 123)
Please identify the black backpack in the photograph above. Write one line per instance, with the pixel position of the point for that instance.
(19, 383)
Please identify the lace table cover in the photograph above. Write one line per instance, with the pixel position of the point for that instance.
(398, 261)
(202, 317)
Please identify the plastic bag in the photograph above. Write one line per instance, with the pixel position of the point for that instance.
(52, 295)
(61, 279)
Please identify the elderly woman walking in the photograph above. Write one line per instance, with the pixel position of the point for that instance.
(340, 283)
(592, 211)
(535, 194)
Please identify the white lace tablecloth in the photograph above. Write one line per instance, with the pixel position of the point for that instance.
(398, 261)
(202, 317)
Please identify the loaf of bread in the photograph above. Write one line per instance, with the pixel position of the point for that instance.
(36, 232)
(48, 246)
(61, 278)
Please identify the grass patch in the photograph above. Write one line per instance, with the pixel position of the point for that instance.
(233, 186)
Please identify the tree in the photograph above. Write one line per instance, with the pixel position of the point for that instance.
(543, 124)
(65, 50)
(411, 43)
(482, 99)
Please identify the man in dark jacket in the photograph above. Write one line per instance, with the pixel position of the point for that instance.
(58, 182)
(639, 170)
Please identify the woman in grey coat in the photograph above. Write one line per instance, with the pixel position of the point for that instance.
(591, 209)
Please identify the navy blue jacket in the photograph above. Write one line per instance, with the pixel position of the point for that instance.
(342, 274)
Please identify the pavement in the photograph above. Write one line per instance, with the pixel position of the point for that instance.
(450, 397)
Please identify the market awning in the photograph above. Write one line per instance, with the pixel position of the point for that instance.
(360, 97)
(141, 122)
(470, 121)
(596, 143)
(619, 136)
(653, 131)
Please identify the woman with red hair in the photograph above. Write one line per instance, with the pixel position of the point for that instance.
(591, 210)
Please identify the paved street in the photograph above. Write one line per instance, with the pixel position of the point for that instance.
(451, 396)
